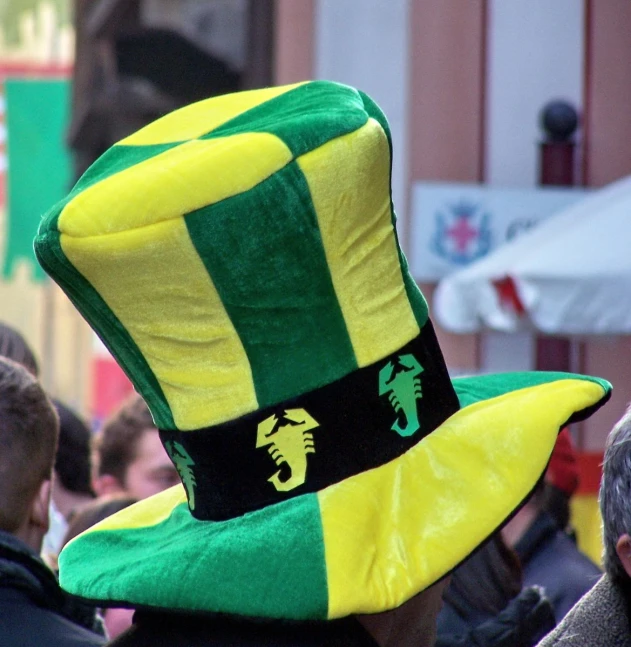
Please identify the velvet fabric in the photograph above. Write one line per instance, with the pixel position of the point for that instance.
(239, 257)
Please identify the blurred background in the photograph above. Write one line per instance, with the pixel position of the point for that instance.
(506, 116)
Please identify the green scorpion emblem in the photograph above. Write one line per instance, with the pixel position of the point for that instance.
(290, 441)
(184, 465)
(399, 380)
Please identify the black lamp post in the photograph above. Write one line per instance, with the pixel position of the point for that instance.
(559, 121)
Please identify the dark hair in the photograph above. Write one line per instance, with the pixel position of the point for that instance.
(615, 493)
(91, 513)
(14, 346)
(29, 428)
(117, 441)
(73, 459)
(556, 503)
(486, 581)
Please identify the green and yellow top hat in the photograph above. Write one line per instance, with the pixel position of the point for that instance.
(239, 259)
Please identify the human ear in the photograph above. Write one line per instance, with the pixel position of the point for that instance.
(38, 515)
(623, 549)
(106, 485)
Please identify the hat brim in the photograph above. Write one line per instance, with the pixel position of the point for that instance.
(363, 545)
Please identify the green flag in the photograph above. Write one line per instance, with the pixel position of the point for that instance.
(39, 164)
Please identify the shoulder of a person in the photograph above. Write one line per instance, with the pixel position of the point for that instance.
(27, 625)
(583, 625)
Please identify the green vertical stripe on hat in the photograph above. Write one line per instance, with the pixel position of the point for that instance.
(286, 313)
(312, 114)
(116, 159)
(101, 318)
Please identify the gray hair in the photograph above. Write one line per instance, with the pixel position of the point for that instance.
(615, 494)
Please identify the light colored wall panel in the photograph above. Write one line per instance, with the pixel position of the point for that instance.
(535, 54)
(365, 43)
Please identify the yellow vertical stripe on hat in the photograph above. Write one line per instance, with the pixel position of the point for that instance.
(190, 345)
(444, 496)
(202, 117)
(173, 183)
(349, 181)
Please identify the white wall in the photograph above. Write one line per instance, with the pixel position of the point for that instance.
(365, 43)
(535, 54)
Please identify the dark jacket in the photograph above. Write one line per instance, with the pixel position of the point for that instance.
(34, 611)
(524, 621)
(551, 559)
(600, 619)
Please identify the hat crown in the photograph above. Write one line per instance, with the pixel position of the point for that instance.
(240, 252)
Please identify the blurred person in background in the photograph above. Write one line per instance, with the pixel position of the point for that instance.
(561, 482)
(15, 347)
(71, 483)
(548, 555)
(128, 455)
(34, 611)
(486, 606)
(116, 620)
(602, 618)
(72, 475)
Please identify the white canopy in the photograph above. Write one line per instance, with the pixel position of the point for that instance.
(570, 275)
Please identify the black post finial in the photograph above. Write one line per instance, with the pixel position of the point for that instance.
(559, 121)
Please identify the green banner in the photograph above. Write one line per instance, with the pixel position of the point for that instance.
(39, 163)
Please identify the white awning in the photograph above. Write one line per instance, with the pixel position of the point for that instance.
(570, 275)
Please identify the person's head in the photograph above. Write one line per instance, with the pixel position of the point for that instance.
(240, 260)
(72, 484)
(615, 500)
(523, 519)
(29, 429)
(116, 620)
(15, 347)
(562, 480)
(129, 457)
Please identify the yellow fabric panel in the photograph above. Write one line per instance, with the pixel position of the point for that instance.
(586, 520)
(148, 512)
(349, 181)
(180, 180)
(131, 271)
(202, 117)
(420, 515)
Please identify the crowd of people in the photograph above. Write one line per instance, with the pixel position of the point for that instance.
(296, 468)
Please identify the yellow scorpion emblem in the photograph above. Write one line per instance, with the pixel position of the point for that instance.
(290, 442)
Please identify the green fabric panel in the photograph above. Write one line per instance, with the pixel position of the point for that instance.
(484, 387)
(39, 171)
(415, 296)
(105, 323)
(268, 563)
(304, 118)
(282, 303)
(116, 159)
